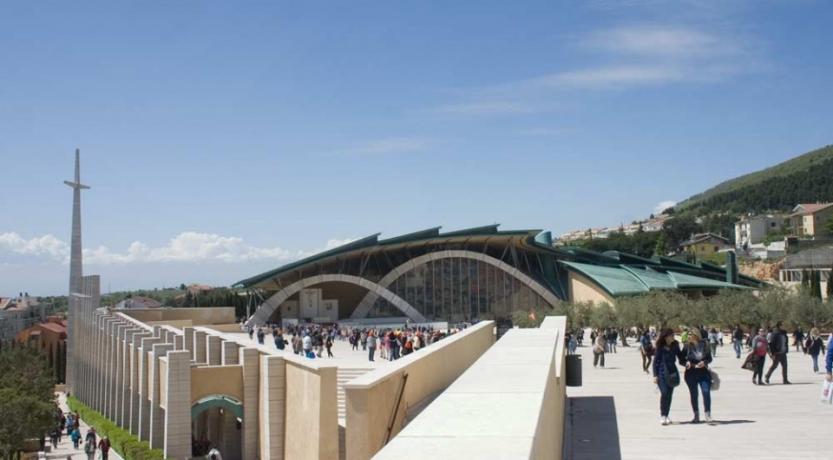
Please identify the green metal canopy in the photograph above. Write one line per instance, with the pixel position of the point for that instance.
(615, 280)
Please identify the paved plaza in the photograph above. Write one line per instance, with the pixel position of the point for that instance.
(615, 414)
(343, 354)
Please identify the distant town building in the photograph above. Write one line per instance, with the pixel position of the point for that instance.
(805, 263)
(138, 302)
(705, 244)
(754, 229)
(763, 251)
(50, 337)
(808, 219)
(18, 313)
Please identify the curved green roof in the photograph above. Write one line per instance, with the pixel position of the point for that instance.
(615, 280)
(624, 280)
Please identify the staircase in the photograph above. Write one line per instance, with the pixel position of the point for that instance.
(346, 374)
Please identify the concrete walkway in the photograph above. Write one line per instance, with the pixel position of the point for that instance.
(615, 414)
(65, 450)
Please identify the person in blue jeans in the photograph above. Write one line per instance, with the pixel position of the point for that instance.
(696, 358)
(828, 359)
(664, 367)
(737, 340)
(815, 346)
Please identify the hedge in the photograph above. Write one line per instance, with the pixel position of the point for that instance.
(121, 441)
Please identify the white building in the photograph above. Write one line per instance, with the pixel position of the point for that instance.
(754, 229)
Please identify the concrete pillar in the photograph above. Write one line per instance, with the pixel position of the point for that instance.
(123, 384)
(133, 388)
(231, 355)
(250, 359)
(157, 416)
(199, 347)
(188, 339)
(313, 429)
(272, 406)
(118, 373)
(144, 378)
(177, 436)
(214, 350)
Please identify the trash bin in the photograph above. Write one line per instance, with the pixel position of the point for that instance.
(573, 370)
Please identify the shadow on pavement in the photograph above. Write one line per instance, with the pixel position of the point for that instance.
(593, 430)
(716, 422)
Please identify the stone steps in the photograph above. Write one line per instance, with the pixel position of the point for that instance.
(345, 375)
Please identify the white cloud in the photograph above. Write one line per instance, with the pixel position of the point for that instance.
(623, 57)
(390, 145)
(613, 77)
(663, 205)
(188, 247)
(47, 245)
(662, 41)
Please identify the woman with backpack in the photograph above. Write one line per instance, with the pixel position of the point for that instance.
(666, 375)
(696, 358)
(759, 351)
(813, 347)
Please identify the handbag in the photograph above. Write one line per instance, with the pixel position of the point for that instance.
(672, 376)
(749, 362)
(827, 392)
(715, 380)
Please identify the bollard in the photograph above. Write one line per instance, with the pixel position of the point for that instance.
(573, 370)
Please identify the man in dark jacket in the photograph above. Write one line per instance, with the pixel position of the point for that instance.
(778, 347)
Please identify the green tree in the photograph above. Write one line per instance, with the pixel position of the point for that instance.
(26, 397)
(661, 248)
(815, 284)
(828, 226)
(830, 285)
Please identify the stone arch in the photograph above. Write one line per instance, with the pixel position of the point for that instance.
(369, 299)
(264, 312)
(226, 402)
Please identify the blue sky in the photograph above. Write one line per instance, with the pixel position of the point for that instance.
(226, 138)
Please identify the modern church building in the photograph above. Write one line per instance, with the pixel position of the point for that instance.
(185, 378)
(477, 273)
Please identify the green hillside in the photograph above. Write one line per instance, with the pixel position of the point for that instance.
(806, 178)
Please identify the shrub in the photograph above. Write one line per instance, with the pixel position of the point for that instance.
(127, 445)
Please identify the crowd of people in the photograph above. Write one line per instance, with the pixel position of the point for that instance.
(311, 340)
(70, 423)
(662, 353)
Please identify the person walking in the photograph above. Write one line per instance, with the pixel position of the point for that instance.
(696, 358)
(307, 346)
(53, 437)
(104, 447)
(828, 359)
(89, 448)
(383, 346)
(813, 347)
(714, 340)
(798, 338)
(759, 350)
(329, 345)
(778, 349)
(737, 340)
(646, 349)
(75, 435)
(599, 350)
(371, 346)
(666, 374)
(280, 343)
